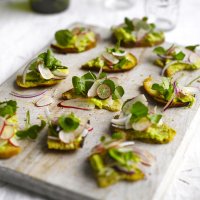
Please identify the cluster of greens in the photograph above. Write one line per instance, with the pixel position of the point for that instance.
(171, 53)
(166, 88)
(8, 108)
(130, 26)
(84, 83)
(49, 61)
(63, 37)
(67, 123)
(30, 131)
(140, 111)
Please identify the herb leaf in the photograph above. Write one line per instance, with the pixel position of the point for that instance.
(192, 47)
(32, 131)
(63, 37)
(179, 56)
(69, 123)
(129, 25)
(118, 93)
(159, 51)
(138, 111)
(155, 118)
(8, 108)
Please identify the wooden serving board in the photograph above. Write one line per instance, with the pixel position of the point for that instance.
(62, 175)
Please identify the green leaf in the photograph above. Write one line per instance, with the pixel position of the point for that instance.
(179, 56)
(118, 93)
(117, 135)
(158, 88)
(129, 25)
(192, 47)
(69, 123)
(79, 85)
(145, 19)
(63, 37)
(138, 111)
(102, 75)
(155, 118)
(122, 62)
(8, 108)
(159, 51)
(32, 132)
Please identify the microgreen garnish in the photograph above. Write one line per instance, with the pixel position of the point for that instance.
(166, 88)
(8, 108)
(129, 25)
(69, 123)
(63, 37)
(192, 47)
(30, 131)
(82, 85)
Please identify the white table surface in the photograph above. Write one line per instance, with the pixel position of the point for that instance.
(23, 33)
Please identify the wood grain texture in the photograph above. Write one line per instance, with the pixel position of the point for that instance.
(61, 175)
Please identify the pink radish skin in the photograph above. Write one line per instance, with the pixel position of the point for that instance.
(7, 132)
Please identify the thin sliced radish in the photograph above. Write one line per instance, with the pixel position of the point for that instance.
(118, 126)
(16, 94)
(7, 132)
(45, 72)
(44, 101)
(126, 144)
(128, 104)
(84, 133)
(26, 69)
(82, 104)
(2, 124)
(146, 157)
(141, 125)
(108, 56)
(60, 72)
(114, 79)
(124, 170)
(190, 90)
(53, 138)
(128, 124)
(13, 141)
(92, 92)
(141, 34)
(119, 54)
(194, 58)
(168, 103)
(66, 137)
(120, 121)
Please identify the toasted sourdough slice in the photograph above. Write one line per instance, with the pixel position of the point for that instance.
(31, 84)
(108, 104)
(154, 134)
(105, 179)
(8, 151)
(176, 67)
(142, 43)
(59, 145)
(72, 49)
(125, 67)
(186, 100)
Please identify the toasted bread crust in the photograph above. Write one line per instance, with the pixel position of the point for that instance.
(107, 69)
(141, 43)
(9, 151)
(74, 49)
(36, 84)
(147, 87)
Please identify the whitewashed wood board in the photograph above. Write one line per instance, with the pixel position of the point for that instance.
(62, 175)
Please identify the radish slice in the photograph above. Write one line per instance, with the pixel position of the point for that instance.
(7, 132)
(84, 133)
(2, 124)
(141, 34)
(190, 90)
(146, 157)
(168, 103)
(124, 170)
(128, 104)
(26, 69)
(112, 59)
(128, 124)
(60, 73)
(120, 121)
(114, 79)
(44, 101)
(13, 141)
(82, 104)
(119, 54)
(66, 137)
(194, 58)
(45, 72)
(13, 93)
(92, 92)
(126, 144)
(118, 126)
(141, 125)
(3, 142)
(53, 138)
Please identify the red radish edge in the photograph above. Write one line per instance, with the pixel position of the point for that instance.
(13, 142)
(15, 94)
(42, 106)
(4, 124)
(60, 105)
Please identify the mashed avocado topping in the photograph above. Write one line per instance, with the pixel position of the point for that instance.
(79, 38)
